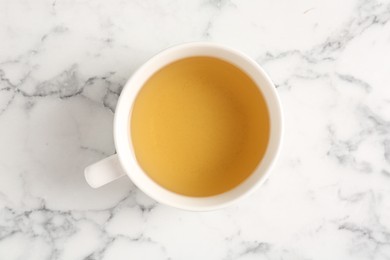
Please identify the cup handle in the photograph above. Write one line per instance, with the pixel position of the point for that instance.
(104, 171)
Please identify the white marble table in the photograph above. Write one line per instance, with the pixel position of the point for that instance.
(62, 67)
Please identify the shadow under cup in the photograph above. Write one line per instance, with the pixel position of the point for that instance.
(124, 142)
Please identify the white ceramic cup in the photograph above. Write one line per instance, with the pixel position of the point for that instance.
(125, 163)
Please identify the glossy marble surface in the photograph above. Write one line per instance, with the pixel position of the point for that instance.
(62, 67)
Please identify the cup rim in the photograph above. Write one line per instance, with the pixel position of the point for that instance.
(122, 136)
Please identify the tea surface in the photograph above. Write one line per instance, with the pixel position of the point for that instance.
(199, 126)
